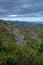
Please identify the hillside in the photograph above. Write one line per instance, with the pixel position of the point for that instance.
(21, 44)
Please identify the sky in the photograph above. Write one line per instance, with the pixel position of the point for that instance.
(22, 10)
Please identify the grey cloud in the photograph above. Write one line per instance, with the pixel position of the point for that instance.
(21, 7)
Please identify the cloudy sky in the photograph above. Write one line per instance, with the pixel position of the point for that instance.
(22, 10)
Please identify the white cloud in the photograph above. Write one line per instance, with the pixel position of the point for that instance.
(14, 15)
(28, 19)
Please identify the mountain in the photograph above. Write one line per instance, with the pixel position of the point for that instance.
(21, 44)
(25, 22)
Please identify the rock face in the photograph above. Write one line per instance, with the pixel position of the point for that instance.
(20, 39)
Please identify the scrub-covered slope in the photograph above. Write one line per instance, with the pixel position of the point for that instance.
(21, 44)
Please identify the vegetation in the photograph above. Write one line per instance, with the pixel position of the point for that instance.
(31, 50)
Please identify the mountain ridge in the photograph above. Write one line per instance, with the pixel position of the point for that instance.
(24, 22)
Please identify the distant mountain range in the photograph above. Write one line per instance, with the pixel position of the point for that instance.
(25, 23)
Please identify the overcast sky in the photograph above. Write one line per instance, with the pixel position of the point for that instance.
(23, 10)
